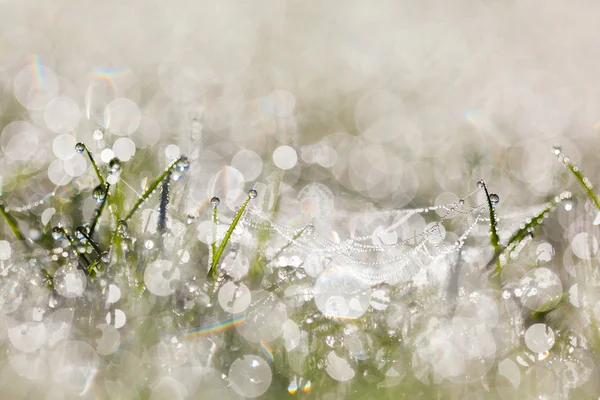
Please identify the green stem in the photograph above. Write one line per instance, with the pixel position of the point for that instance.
(214, 243)
(74, 245)
(583, 181)
(12, 222)
(98, 174)
(91, 268)
(494, 238)
(99, 210)
(151, 189)
(91, 242)
(529, 226)
(217, 256)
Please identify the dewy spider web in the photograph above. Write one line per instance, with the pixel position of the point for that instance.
(393, 262)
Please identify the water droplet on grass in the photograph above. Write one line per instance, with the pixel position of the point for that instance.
(183, 164)
(80, 147)
(99, 193)
(494, 199)
(58, 233)
(114, 165)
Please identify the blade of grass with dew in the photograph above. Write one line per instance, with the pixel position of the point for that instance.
(12, 223)
(80, 148)
(151, 188)
(99, 210)
(528, 227)
(163, 203)
(217, 256)
(494, 238)
(74, 245)
(213, 245)
(583, 181)
(91, 241)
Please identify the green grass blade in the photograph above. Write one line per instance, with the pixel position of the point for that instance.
(213, 245)
(12, 222)
(583, 181)
(99, 210)
(217, 256)
(528, 227)
(151, 189)
(80, 148)
(494, 238)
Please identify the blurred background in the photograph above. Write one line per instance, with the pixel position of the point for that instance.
(394, 101)
(337, 108)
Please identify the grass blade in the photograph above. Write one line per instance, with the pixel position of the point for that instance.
(583, 181)
(12, 223)
(152, 187)
(217, 256)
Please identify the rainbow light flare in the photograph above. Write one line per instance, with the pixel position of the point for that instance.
(293, 387)
(268, 350)
(38, 71)
(89, 379)
(220, 327)
(108, 75)
(307, 387)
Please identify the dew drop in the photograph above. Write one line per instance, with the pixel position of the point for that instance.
(494, 199)
(252, 193)
(105, 257)
(99, 193)
(556, 149)
(80, 147)
(480, 184)
(215, 201)
(114, 165)
(81, 232)
(122, 227)
(183, 164)
(309, 230)
(58, 233)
